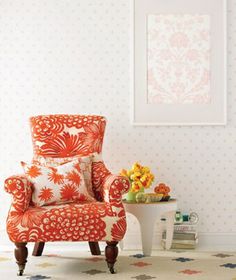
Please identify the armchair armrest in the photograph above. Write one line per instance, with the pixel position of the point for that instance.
(114, 186)
(21, 190)
(106, 186)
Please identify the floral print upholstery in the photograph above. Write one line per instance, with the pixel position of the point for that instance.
(60, 136)
(67, 222)
(21, 190)
(67, 135)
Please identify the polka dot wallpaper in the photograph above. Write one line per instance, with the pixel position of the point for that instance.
(73, 56)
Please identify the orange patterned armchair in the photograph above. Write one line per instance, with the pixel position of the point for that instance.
(63, 136)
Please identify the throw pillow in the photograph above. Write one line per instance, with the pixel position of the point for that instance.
(85, 167)
(57, 184)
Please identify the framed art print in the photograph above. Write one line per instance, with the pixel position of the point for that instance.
(179, 59)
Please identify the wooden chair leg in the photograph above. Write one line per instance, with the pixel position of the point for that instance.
(111, 253)
(94, 248)
(38, 249)
(21, 254)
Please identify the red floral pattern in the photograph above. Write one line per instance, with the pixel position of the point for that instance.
(64, 145)
(21, 190)
(104, 220)
(99, 173)
(118, 229)
(45, 126)
(70, 222)
(93, 136)
(54, 135)
(45, 194)
(30, 218)
(114, 187)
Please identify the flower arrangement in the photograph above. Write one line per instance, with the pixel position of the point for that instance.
(164, 190)
(139, 176)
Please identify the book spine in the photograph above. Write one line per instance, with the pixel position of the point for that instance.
(182, 236)
(182, 246)
(185, 228)
(179, 245)
(185, 242)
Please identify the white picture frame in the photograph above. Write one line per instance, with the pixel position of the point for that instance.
(214, 112)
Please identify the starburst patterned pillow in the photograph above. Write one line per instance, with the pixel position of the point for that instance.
(85, 164)
(57, 184)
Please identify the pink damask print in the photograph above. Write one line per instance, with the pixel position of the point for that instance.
(178, 59)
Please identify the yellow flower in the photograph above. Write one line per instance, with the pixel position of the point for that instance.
(136, 167)
(129, 173)
(146, 169)
(123, 172)
(135, 187)
(140, 184)
(135, 175)
(139, 176)
(149, 182)
(145, 185)
(143, 178)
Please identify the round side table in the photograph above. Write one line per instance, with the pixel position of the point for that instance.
(147, 214)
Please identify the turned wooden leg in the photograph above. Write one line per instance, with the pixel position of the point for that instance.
(38, 249)
(111, 252)
(21, 254)
(94, 248)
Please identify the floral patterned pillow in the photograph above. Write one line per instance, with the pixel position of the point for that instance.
(57, 184)
(85, 166)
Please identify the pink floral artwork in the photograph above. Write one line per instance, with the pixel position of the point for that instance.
(178, 59)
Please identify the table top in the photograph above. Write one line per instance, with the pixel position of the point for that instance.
(144, 203)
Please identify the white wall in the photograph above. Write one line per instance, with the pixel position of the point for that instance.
(72, 56)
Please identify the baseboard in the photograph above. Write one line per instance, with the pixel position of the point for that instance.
(132, 241)
(219, 241)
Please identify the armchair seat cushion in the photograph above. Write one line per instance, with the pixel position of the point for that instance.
(94, 221)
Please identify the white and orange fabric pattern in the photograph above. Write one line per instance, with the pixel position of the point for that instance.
(57, 185)
(64, 136)
(84, 165)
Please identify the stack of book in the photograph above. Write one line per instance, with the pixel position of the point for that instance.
(185, 236)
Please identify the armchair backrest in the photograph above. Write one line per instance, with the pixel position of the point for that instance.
(67, 135)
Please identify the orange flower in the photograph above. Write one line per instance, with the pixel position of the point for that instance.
(93, 136)
(119, 229)
(63, 146)
(44, 127)
(33, 171)
(30, 218)
(123, 172)
(162, 188)
(56, 177)
(46, 194)
(73, 177)
(136, 187)
(69, 192)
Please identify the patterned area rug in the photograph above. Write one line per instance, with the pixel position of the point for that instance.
(163, 265)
